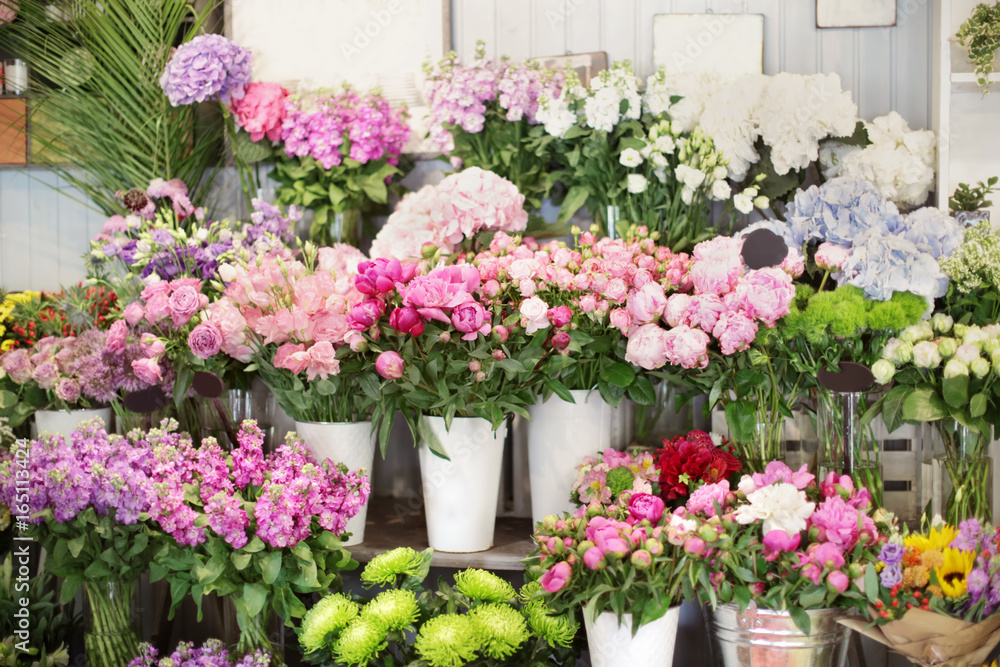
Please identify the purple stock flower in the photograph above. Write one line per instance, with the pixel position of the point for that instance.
(977, 582)
(969, 535)
(206, 67)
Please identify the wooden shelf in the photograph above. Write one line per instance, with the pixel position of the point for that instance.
(394, 523)
(972, 77)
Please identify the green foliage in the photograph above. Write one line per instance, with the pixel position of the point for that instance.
(51, 625)
(981, 35)
(974, 270)
(972, 199)
(109, 126)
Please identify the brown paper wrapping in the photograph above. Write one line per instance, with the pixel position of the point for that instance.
(928, 638)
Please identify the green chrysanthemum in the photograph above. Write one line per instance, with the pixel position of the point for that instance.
(528, 591)
(395, 609)
(483, 585)
(361, 641)
(449, 640)
(330, 614)
(384, 568)
(556, 630)
(501, 629)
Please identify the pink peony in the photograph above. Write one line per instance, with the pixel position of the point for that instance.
(777, 542)
(838, 523)
(720, 247)
(261, 110)
(687, 347)
(556, 578)
(471, 319)
(593, 558)
(838, 580)
(560, 340)
(766, 294)
(703, 311)
(389, 365)
(432, 296)
(646, 506)
(704, 498)
(675, 312)
(830, 256)
(717, 275)
(147, 370)
(647, 347)
(735, 331)
(776, 472)
(793, 264)
(647, 303)
(366, 314)
(406, 320)
(205, 340)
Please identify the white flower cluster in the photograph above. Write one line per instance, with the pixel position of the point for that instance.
(791, 113)
(899, 161)
(602, 108)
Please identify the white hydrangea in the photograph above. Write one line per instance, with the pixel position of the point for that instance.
(729, 120)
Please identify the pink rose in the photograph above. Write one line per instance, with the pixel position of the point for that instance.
(526, 287)
(261, 110)
(534, 313)
(17, 364)
(616, 290)
(117, 336)
(588, 303)
(703, 311)
(157, 308)
(185, 302)
(46, 374)
(406, 320)
(646, 506)
(158, 288)
(133, 313)
(389, 365)
(556, 578)
(621, 320)
(68, 390)
(647, 303)
(735, 331)
(687, 347)
(522, 269)
(471, 319)
(831, 257)
(147, 370)
(647, 347)
(205, 340)
(152, 347)
(560, 316)
(766, 294)
(675, 312)
(322, 362)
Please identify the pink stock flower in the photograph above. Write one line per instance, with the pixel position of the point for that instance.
(647, 303)
(147, 370)
(777, 542)
(647, 347)
(205, 340)
(676, 310)
(406, 320)
(389, 365)
(556, 578)
(471, 319)
(261, 110)
(766, 294)
(322, 362)
(735, 331)
(830, 256)
(687, 347)
(703, 311)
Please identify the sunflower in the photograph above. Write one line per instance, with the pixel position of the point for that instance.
(952, 575)
(937, 539)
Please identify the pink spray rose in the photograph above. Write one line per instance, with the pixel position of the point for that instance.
(389, 365)
(157, 308)
(766, 294)
(117, 336)
(68, 390)
(185, 302)
(205, 340)
(647, 303)
(735, 331)
(560, 316)
(647, 347)
(261, 110)
(147, 370)
(620, 319)
(534, 311)
(133, 313)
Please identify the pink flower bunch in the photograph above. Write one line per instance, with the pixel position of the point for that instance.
(366, 124)
(605, 479)
(70, 370)
(720, 301)
(806, 530)
(261, 110)
(458, 208)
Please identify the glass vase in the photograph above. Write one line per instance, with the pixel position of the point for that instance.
(963, 479)
(254, 633)
(662, 420)
(849, 447)
(110, 639)
(612, 215)
(346, 227)
(768, 443)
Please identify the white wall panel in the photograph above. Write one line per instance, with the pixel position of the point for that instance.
(43, 234)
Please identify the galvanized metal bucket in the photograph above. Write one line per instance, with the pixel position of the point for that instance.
(766, 638)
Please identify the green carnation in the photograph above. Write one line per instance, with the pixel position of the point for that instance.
(620, 479)
(395, 609)
(384, 568)
(361, 641)
(330, 614)
(484, 586)
(501, 629)
(556, 630)
(449, 640)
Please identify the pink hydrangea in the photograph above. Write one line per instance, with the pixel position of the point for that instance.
(261, 110)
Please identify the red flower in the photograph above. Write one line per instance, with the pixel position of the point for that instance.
(689, 460)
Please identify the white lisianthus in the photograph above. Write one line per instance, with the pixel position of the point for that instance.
(225, 236)
(201, 234)
(721, 190)
(227, 272)
(926, 355)
(637, 183)
(689, 176)
(630, 157)
(883, 370)
(132, 221)
(687, 195)
(661, 175)
(151, 279)
(665, 145)
(779, 506)
(143, 246)
(658, 160)
(743, 203)
(720, 173)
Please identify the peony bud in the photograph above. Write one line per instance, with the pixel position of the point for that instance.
(653, 546)
(883, 371)
(480, 376)
(498, 355)
(641, 560)
(549, 521)
(560, 341)
(837, 581)
(942, 323)
(389, 365)
(955, 368)
(694, 546)
(947, 347)
(444, 336)
(708, 533)
(475, 366)
(500, 334)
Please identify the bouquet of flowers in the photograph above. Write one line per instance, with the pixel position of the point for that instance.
(486, 114)
(212, 653)
(27, 317)
(255, 528)
(601, 480)
(690, 461)
(88, 499)
(974, 272)
(949, 381)
(55, 374)
(481, 620)
(936, 595)
(341, 151)
(451, 216)
(795, 544)
(898, 162)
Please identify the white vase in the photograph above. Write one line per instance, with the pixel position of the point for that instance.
(560, 434)
(460, 492)
(350, 443)
(64, 423)
(612, 645)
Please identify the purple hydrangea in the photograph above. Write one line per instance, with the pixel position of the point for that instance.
(208, 66)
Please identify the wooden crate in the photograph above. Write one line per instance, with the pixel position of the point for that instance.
(13, 137)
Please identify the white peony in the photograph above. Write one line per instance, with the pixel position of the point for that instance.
(636, 183)
(780, 506)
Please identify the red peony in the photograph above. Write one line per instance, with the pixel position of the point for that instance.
(689, 460)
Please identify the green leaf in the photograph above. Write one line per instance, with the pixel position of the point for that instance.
(370, 385)
(559, 389)
(253, 546)
(741, 419)
(801, 619)
(956, 391)
(871, 584)
(642, 391)
(75, 545)
(619, 374)
(254, 598)
(813, 598)
(240, 560)
(978, 405)
(574, 200)
(270, 566)
(376, 190)
(8, 399)
(924, 404)
(892, 407)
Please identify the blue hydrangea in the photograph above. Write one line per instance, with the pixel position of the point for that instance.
(882, 265)
(793, 235)
(933, 231)
(840, 210)
(208, 66)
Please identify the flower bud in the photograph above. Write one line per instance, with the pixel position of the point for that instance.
(883, 371)
(995, 358)
(585, 546)
(762, 202)
(694, 546)
(855, 571)
(480, 376)
(990, 345)
(653, 546)
(980, 368)
(961, 329)
(641, 560)
(500, 333)
(444, 336)
(549, 521)
(942, 323)
(898, 351)
(975, 336)
(498, 355)
(955, 368)
(926, 355)
(475, 366)
(917, 332)
(708, 533)
(947, 347)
